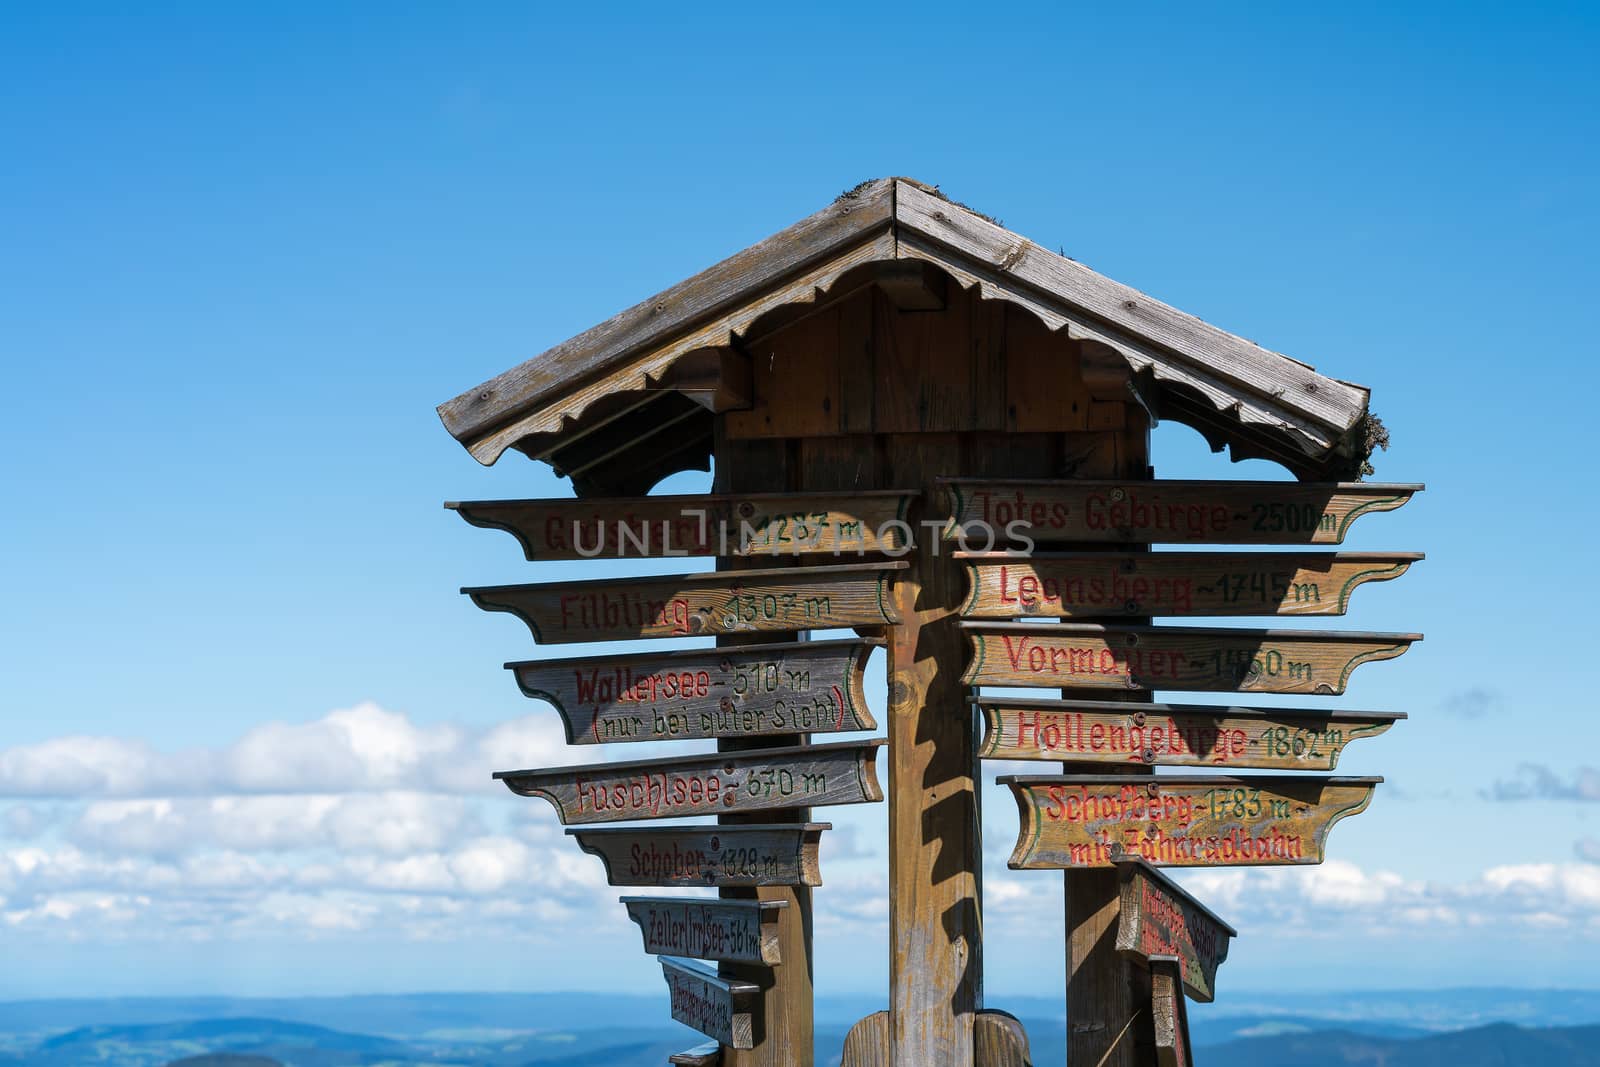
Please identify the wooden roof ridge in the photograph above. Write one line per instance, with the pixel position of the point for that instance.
(1235, 392)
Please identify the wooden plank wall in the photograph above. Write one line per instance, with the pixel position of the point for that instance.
(860, 395)
(860, 366)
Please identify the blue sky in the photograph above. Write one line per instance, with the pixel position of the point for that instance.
(243, 253)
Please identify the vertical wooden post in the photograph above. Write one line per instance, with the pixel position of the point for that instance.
(784, 1030)
(1108, 999)
(935, 951)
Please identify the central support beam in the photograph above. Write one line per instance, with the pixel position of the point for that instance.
(1108, 999)
(935, 952)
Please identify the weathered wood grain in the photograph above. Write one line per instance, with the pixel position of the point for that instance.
(749, 691)
(1158, 919)
(750, 855)
(741, 931)
(1173, 657)
(1170, 1012)
(693, 605)
(752, 524)
(1239, 379)
(701, 311)
(1279, 405)
(1161, 512)
(1072, 821)
(786, 1007)
(710, 783)
(1173, 735)
(715, 1006)
(998, 1040)
(1087, 585)
(867, 1042)
(935, 861)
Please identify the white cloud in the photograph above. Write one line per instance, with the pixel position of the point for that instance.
(1338, 898)
(361, 820)
(77, 766)
(392, 823)
(364, 747)
(478, 880)
(359, 749)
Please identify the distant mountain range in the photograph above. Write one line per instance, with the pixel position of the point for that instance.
(1442, 1028)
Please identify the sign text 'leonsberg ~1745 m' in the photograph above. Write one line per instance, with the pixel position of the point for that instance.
(1172, 657)
(1173, 735)
(755, 524)
(1078, 585)
(712, 783)
(735, 931)
(745, 856)
(1180, 820)
(1170, 512)
(690, 605)
(1155, 917)
(748, 691)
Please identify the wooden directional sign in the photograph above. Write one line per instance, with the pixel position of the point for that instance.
(776, 524)
(986, 513)
(1180, 820)
(1172, 657)
(1170, 1013)
(1157, 919)
(711, 783)
(738, 931)
(1079, 585)
(749, 691)
(717, 1007)
(1173, 735)
(722, 856)
(690, 605)
(708, 1054)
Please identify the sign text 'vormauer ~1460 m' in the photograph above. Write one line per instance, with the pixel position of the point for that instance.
(1056, 655)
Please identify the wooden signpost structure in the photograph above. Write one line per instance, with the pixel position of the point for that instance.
(929, 431)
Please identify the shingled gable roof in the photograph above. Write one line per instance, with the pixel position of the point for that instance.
(1236, 393)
